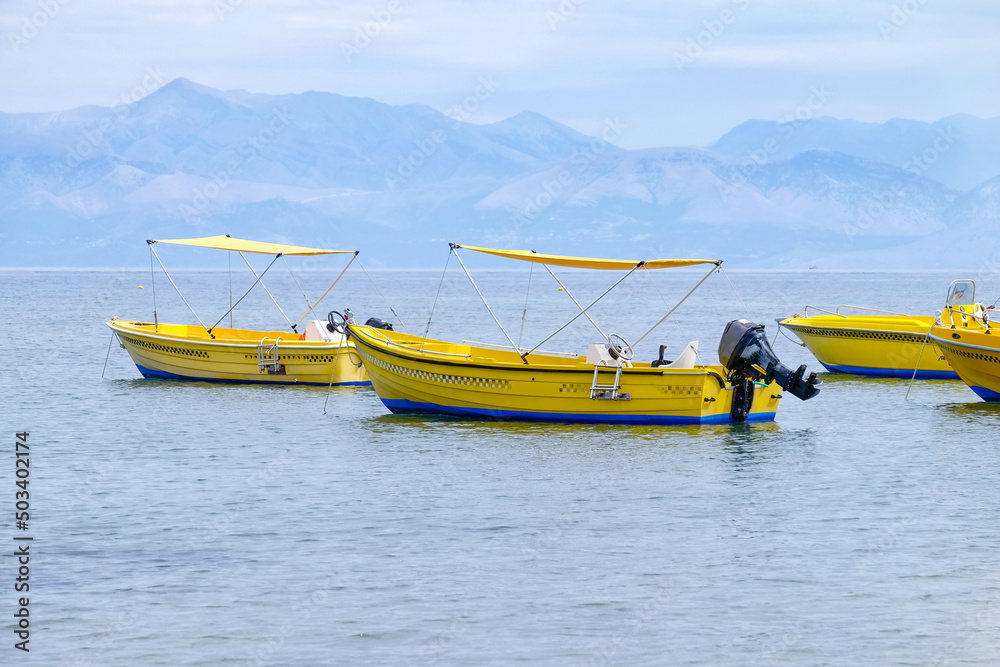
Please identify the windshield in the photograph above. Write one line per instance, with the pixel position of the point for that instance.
(961, 293)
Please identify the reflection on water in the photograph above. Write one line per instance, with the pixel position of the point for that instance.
(979, 412)
(236, 388)
(559, 430)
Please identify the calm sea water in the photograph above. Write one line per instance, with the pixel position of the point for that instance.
(196, 524)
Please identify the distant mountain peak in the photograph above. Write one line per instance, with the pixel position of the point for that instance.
(536, 123)
(185, 86)
(960, 151)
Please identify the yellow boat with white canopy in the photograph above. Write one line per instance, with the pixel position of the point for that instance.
(318, 354)
(413, 374)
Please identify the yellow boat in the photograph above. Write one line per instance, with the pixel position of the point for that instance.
(412, 374)
(879, 344)
(970, 340)
(320, 354)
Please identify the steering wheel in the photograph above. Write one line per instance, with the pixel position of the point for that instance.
(337, 327)
(621, 349)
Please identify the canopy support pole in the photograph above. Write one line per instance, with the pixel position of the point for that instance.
(327, 290)
(152, 278)
(583, 311)
(229, 259)
(661, 320)
(245, 295)
(266, 290)
(151, 249)
(566, 289)
(459, 258)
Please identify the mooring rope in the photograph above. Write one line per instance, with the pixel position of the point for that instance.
(108, 355)
(927, 337)
(333, 375)
(524, 313)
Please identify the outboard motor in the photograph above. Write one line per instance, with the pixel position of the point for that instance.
(378, 323)
(746, 354)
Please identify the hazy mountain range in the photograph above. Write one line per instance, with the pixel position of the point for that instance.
(87, 186)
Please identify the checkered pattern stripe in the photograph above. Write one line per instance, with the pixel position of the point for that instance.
(867, 335)
(681, 390)
(308, 358)
(164, 348)
(969, 354)
(464, 380)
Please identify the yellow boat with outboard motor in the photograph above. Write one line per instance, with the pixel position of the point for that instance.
(413, 374)
(970, 340)
(875, 344)
(317, 355)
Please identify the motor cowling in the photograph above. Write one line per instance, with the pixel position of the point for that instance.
(378, 323)
(746, 354)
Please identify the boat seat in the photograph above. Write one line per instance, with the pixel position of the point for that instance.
(597, 354)
(316, 330)
(687, 359)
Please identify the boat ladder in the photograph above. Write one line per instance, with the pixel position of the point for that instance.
(268, 358)
(608, 392)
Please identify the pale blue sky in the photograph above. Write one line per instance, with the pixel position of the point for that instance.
(577, 61)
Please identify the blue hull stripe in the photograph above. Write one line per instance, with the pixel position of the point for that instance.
(150, 373)
(987, 395)
(404, 407)
(892, 372)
